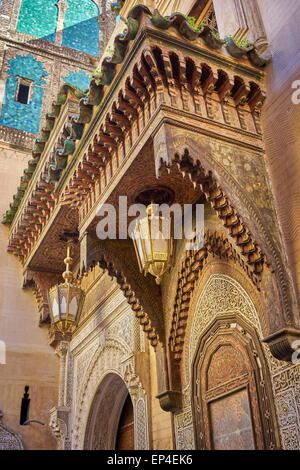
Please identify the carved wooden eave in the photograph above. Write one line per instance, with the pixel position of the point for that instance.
(66, 103)
(115, 135)
(168, 97)
(37, 206)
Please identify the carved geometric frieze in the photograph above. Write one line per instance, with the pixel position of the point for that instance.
(9, 440)
(141, 424)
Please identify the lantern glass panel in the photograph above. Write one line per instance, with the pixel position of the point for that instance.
(73, 307)
(63, 292)
(160, 249)
(54, 303)
(139, 250)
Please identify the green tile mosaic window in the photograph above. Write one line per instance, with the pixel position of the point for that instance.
(81, 26)
(25, 117)
(38, 18)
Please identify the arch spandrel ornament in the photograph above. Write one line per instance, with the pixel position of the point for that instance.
(234, 180)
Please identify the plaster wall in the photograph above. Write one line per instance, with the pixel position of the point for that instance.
(29, 359)
(281, 121)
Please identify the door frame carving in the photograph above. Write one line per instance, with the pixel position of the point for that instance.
(225, 330)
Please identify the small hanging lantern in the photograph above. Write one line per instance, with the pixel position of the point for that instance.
(153, 244)
(66, 300)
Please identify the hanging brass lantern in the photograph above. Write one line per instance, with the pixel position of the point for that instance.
(66, 300)
(153, 246)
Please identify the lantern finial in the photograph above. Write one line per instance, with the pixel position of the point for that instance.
(68, 275)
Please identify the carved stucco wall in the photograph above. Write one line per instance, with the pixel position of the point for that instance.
(222, 294)
(105, 346)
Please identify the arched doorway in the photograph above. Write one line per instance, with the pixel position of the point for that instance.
(110, 424)
(232, 391)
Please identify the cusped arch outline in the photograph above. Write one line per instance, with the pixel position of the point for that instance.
(250, 232)
(190, 273)
(97, 369)
(206, 310)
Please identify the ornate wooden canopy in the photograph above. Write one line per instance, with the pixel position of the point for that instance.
(168, 96)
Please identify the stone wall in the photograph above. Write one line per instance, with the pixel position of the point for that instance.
(30, 47)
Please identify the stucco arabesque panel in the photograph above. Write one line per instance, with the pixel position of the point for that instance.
(105, 345)
(242, 174)
(222, 294)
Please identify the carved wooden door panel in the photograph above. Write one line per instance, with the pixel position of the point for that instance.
(232, 409)
(125, 435)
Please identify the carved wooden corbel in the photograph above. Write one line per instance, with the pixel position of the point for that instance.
(284, 343)
(41, 282)
(168, 381)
